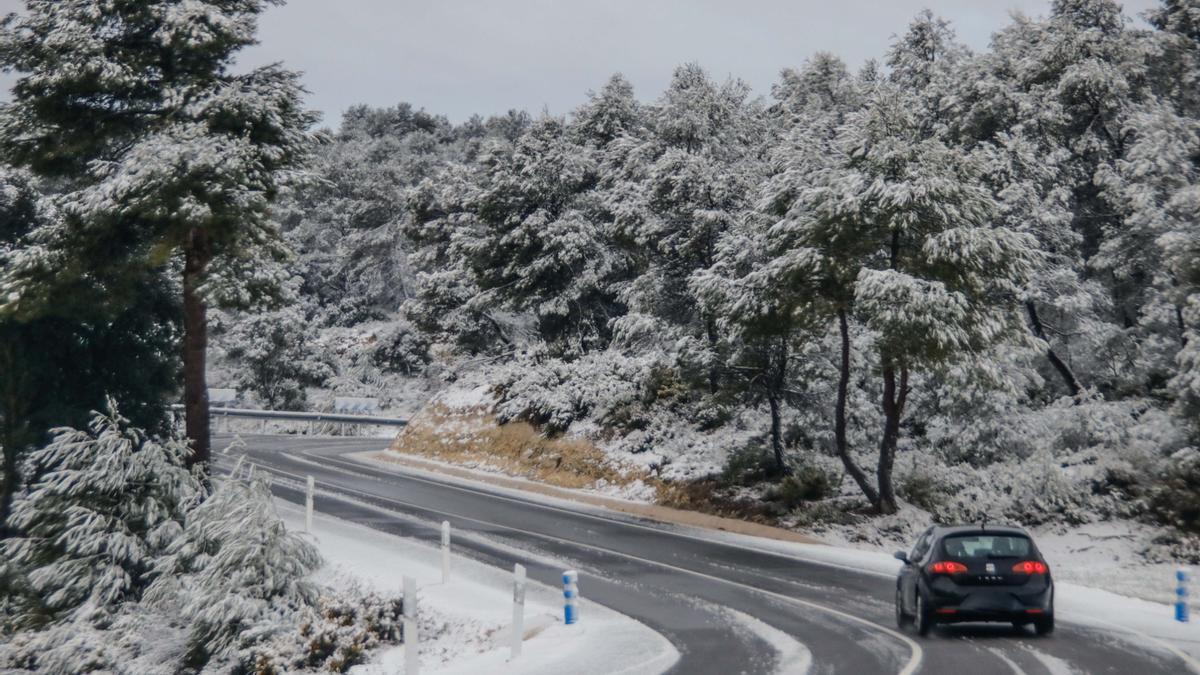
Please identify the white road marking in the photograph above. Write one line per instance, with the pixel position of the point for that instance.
(1009, 662)
(1053, 664)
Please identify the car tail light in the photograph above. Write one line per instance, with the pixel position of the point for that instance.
(1031, 567)
(947, 567)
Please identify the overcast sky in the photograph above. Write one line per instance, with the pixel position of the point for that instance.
(458, 57)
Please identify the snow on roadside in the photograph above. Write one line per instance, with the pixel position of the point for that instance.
(465, 624)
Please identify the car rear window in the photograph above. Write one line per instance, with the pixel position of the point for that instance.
(986, 546)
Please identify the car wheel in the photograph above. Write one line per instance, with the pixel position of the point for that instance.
(902, 619)
(1044, 625)
(924, 616)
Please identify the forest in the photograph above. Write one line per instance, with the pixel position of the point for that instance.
(966, 281)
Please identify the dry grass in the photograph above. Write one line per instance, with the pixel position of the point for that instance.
(708, 495)
(472, 436)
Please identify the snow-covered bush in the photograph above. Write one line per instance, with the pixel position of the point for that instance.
(275, 357)
(806, 483)
(334, 635)
(131, 640)
(553, 393)
(401, 349)
(1186, 383)
(1175, 498)
(103, 504)
(235, 572)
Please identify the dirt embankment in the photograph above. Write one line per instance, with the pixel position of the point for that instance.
(468, 442)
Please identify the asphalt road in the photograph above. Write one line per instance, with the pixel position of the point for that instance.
(693, 591)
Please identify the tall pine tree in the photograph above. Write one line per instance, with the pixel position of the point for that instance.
(167, 158)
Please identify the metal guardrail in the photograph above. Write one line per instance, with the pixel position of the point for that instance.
(342, 418)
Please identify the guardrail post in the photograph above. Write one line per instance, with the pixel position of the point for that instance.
(237, 468)
(412, 640)
(445, 551)
(570, 597)
(518, 619)
(308, 504)
(1181, 594)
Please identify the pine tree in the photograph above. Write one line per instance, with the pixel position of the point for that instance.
(107, 501)
(275, 358)
(57, 368)
(165, 155)
(699, 168)
(898, 231)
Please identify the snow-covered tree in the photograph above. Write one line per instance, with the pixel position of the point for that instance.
(1065, 89)
(749, 297)
(898, 231)
(523, 229)
(104, 504)
(700, 169)
(165, 156)
(925, 61)
(235, 572)
(275, 358)
(349, 227)
(1176, 69)
(609, 114)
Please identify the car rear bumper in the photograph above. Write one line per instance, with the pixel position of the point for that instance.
(991, 604)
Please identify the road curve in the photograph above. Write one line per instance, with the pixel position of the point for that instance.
(678, 584)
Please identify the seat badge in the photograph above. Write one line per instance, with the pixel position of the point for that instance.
(991, 568)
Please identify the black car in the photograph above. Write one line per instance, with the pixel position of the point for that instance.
(974, 573)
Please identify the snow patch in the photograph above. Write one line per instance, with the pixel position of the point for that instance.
(466, 399)
(467, 621)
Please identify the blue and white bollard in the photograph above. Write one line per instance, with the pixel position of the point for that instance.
(1181, 594)
(570, 597)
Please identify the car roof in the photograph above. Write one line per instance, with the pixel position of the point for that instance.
(952, 530)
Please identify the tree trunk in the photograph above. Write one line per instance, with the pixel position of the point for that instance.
(1063, 369)
(714, 374)
(839, 423)
(774, 393)
(14, 435)
(8, 485)
(893, 410)
(195, 345)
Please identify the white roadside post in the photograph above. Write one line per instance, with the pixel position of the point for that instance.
(308, 504)
(570, 597)
(237, 468)
(445, 551)
(1181, 594)
(518, 620)
(412, 641)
